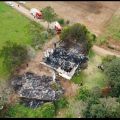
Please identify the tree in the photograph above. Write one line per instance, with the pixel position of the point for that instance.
(90, 101)
(104, 108)
(37, 34)
(13, 55)
(48, 14)
(78, 33)
(112, 70)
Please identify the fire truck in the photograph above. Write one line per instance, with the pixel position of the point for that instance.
(56, 27)
(36, 13)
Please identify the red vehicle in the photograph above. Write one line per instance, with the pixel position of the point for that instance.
(36, 13)
(56, 26)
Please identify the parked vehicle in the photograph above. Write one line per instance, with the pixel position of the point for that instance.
(22, 2)
(36, 13)
(55, 26)
(10, 3)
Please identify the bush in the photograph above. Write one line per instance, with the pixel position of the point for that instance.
(61, 21)
(108, 58)
(83, 94)
(78, 78)
(104, 108)
(38, 35)
(54, 86)
(101, 40)
(61, 103)
(96, 91)
(19, 111)
(91, 54)
(13, 55)
(48, 110)
(69, 115)
(112, 70)
(118, 99)
(78, 33)
(67, 22)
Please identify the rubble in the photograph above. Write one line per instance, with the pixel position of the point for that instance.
(64, 60)
(36, 89)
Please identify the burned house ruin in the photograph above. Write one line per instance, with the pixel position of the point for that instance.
(65, 60)
(35, 90)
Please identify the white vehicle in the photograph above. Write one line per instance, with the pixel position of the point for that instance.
(55, 26)
(22, 2)
(10, 3)
(36, 13)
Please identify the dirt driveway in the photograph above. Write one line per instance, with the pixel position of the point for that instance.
(94, 14)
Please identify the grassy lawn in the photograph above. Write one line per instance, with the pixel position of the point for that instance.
(91, 76)
(112, 30)
(13, 27)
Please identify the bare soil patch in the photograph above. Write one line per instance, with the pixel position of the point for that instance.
(34, 65)
(69, 87)
(112, 45)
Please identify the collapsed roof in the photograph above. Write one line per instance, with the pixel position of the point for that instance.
(65, 61)
(36, 89)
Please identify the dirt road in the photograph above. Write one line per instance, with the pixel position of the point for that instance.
(26, 12)
(102, 52)
(94, 14)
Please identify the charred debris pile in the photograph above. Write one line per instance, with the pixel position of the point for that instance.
(35, 90)
(65, 60)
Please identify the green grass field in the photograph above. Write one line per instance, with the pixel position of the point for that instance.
(91, 76)
(13, 28)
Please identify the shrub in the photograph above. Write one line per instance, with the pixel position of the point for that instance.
(45, 111)
(67, 22)
(78, 78)
(13, 55)
(61, 103)
(104, 108)
(78, 33)
(108, 58)
(83, 94)
(101, 40)
(54, 86)
(48, 110)
(61, 21)
(96, 91)
(112, 70)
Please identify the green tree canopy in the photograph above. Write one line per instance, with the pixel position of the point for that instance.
(48, 14)
(112, 70)
(104, 108)
(78, 33)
